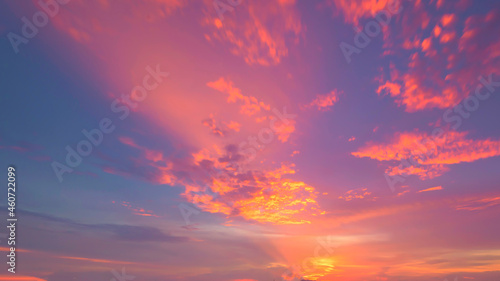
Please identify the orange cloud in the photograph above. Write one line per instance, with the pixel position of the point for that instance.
(426, 44)
(431, 189)
(423, 172)
(219, 180)
(320, 267)
(248, 30)
(393, 89)
(437, 30)
(94, 260)
(360, 193)
(412, 90)
(285, 130)
(265, 197)
(427, 157)
(448, 19)
(250, 104)
(21, 278)
(403, 192)
(235, 126)
(325, 102)
(354, 10)
(7, 249)
(434, 76)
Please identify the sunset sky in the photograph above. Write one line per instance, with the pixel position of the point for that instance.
(252, 140)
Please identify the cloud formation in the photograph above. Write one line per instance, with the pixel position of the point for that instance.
(260, 33)
(443, 68)
(427, 157)
(250, 105)
(324, 102)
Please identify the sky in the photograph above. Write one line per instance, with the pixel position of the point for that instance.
(252, 140)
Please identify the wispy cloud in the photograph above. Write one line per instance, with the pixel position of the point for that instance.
(427, 157)
(432, 189)
(248, 32)
(324, 102)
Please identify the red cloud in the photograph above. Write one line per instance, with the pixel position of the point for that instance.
(354, 10)
(422, 155)
(434, 74)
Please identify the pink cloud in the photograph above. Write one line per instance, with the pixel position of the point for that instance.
(258, 32)
(433, 75)
(325, 102)
(355, 10)
(479, 204)
(250, 104)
